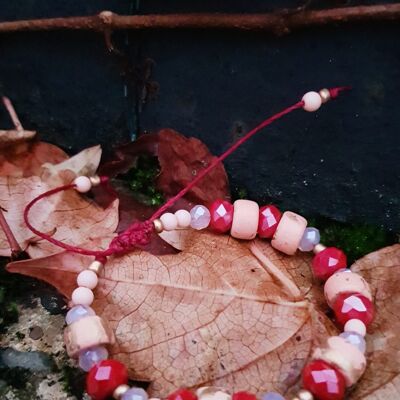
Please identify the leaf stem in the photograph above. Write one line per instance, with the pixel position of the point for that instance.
(14, 245)
(13, 114)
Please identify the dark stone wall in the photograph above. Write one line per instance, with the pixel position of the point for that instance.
(341, 162)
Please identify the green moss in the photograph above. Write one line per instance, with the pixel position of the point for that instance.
(8, 310)
(73, 380)
(141, 181)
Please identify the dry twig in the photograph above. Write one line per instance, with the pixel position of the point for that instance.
(279, 23)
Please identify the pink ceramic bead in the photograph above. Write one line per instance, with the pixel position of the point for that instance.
(355, 325)
(169, 221)
(83, 184)
(87, 279)
(289, 233)
(82, 295)
(349, 360)
(85, 333)
(312, 101)
(343, 282)
(183, 217)
(245, 219)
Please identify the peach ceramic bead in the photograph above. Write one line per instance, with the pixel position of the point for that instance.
(345, 281)
(184, 218)
(289, 233)
(83, 296)
(343, 355)
(245, 219)
(169, 221)
(83, 184)
(87, 332)
(87, 279)
(355, 325)
(312, 101)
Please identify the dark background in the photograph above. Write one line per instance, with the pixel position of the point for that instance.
(341, 162)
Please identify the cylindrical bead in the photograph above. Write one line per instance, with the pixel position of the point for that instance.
(85, 333)
(347, 358)
(245, 219)
(289, 233)
(343, 282)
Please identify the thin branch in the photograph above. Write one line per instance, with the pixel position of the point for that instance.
(279, 23)
(14, 245)
(13, 114)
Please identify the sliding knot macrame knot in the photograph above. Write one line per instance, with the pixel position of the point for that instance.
(138, 234)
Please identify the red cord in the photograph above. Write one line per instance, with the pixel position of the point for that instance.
(139, 233)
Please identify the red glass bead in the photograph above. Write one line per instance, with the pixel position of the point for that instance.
(182, 394)
(327, 262)
(268, 221)
(243, 396)
(353, 306)
(221, 216)
(323, 381)
(104, 377)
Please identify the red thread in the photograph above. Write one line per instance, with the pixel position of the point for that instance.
(139, 233)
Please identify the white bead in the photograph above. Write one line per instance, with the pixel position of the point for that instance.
(355, 325)
(82, 295)
(82, 184)
(312, 101)
(169, 221)
(87, 279)
(183, 218)
(200, 217)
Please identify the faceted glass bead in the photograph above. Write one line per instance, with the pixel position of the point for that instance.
(355, 339)
(221, 216)
(327, 262)
(135, 394)
(78, 312)
(243, 396)
(268, 221)
(182, 394)
(310, 238)
(353, 306)
(200, 217)
(90, 357)
(272, 396)
(323, 381)
(104, 377)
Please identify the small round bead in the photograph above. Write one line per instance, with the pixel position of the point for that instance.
(327, 262)
(243, 396)
(135, 394)
(272, 396)
(305, 395)
(325, 95)
(221, 212)
(90, 357)
(87, 279)
(119, 391)
(78, 312)
(318, 248)
(212, 393)
(353, 306)
(96, 266)
(82, 184)
(268, 221)
(158, 226)
(355, 339)
(312, 101)
(104, 377)
(324, 381)
(311, 237)
(169, 221)
(200, 217)
(355, 325)
(182, 394)
(82, 295)
(95, 180)
(183, 217)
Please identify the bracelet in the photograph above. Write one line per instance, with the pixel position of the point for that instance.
(333, 368)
